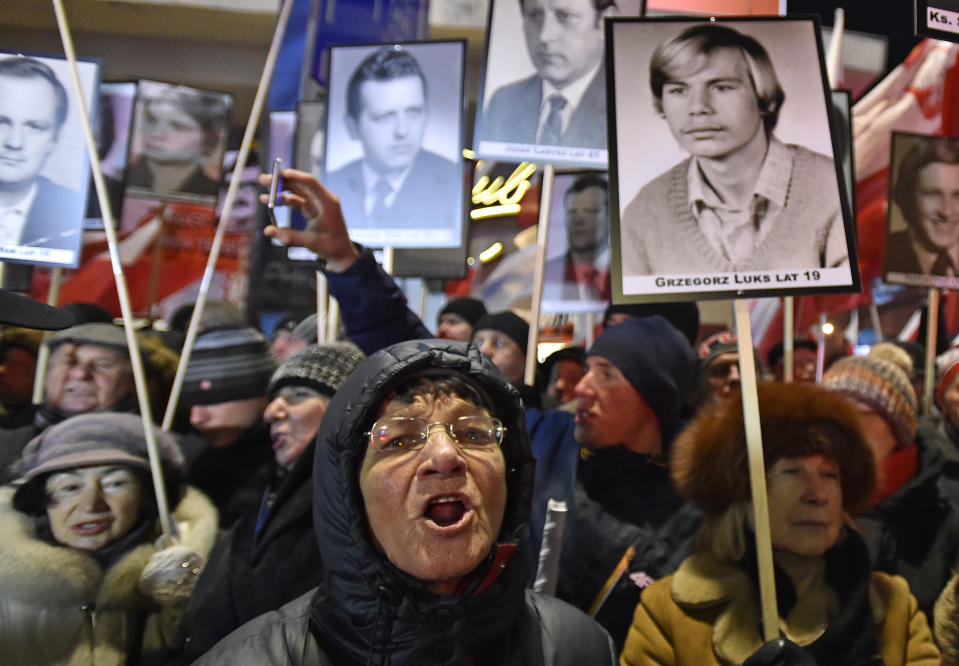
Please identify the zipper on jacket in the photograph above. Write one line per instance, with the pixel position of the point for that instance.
(90, 609)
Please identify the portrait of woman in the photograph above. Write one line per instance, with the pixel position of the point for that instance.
(178, 140)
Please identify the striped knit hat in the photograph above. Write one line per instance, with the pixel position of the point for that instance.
(322, 367)
(881, 385)
(228, 364)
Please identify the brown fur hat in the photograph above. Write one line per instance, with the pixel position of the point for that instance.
(709, 461)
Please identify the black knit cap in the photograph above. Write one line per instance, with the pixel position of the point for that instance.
(656, 359)
(683, 315)
(228, 364)
(469, 309)
(321, 367)
(508, 323)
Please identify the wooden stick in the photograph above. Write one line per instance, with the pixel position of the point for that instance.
(932, 326)
(322, 306)
(821, 347)
(789, 334)
(43, 354)
(757, 472)
(542, 233)
(136, 361)
(333, 321)
(227, 212)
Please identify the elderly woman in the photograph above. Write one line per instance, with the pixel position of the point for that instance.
(818, 467)
(421, 482)
(82, 580)
(270, 556)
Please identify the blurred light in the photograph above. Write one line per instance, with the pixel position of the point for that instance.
(827, 328)
(468, 154)
(544, 349)
(470, 261)
(490, 253)
(494, 211)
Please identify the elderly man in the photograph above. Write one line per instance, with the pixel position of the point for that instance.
(927, 194)
(89, 371)
(743, 200)
(420, 477)
(564, 103)
(583, 272)
(34, 210)
(396, 181)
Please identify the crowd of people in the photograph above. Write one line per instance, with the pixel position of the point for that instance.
(382, 499)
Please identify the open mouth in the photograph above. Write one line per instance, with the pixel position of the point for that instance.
(446, 511)
(91, 527)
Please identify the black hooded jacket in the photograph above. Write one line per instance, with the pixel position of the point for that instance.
(366, 611)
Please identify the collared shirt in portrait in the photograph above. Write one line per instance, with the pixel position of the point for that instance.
(572, 93)
(13, 218)
(371, 180)
(935, 263)
(736, 232)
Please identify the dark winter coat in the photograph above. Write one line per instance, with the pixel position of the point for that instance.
(915, 532)
(368, 611)
(250, 571)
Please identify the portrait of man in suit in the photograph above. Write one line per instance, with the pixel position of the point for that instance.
(743, 199)
(396, 182)
(34, 211)
(564, 102)
(926, 192)
(581, 274)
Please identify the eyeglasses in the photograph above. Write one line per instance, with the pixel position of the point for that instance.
(403, 433)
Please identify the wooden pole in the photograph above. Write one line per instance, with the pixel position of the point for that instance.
(757, 472)
(789, 334)
(43, 354)
(136, 362)
(322, 306)
(542, 233)
(821, 347)
(227, 212)
(932, 326)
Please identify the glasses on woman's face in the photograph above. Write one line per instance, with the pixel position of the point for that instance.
(404, 433)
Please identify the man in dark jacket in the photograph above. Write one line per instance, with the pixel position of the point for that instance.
(422, 475)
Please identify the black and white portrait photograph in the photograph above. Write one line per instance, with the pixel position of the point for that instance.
(726, 179)
(546, 101)
(44, 168)
(922, 236)
(178, 141)
(394, 142)
(310, 138)
(112, 129)
(576, 276)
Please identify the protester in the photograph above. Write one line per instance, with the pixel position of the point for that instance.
(818, 466)
(684, 315)
(458, 317)
(282, 341)
(421, 482)
(561, 371)
(224, 389)
(947, 426)
(82, 579)
(912, 527)
(718, 368)
(804, 360)
(18, 365)
(270, 556)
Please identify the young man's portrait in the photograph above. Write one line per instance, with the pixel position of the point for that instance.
(43, 168)
(923, 236)
(742, 196)
(556, 96)
(393, 143)
(576, 278)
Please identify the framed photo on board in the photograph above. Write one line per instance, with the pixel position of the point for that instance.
(922, 232)
(545, 102)
(724, 177)
(394, 142)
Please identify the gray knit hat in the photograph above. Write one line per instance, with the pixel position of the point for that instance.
(85, 440)
(322, 367)
(228, 364)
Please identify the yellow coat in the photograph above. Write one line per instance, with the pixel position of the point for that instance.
(706, 614)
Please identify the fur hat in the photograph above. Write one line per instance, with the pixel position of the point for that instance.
(881, 385)
(709, 462)
(322, 367)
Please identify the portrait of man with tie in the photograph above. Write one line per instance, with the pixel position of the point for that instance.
(926, 198)
(396, 183)
(40, 219)
(577, 279)
(740, 199)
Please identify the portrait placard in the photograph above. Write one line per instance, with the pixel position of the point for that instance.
(44, 167)
(177, 143)
(938, 19)
(112, 130)
(546, 102)
(724, 177)
(922, 227)
(309, 139)
(394, 142)
(576, 276)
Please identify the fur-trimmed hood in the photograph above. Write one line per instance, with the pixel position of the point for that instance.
(709, 461)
